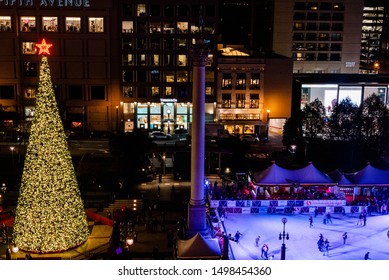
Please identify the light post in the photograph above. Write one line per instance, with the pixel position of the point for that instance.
(168, 121)
(12, 148)
(117, 118)
(293, 150)
(282, 236)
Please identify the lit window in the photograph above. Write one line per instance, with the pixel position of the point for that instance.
(226, 81)
(208, 90)
(254, 100)
(30, 92)
(96, 25)
(127, 91)
(155, 27)
(240, 81)
(29, 112)
(28, 48)
(30, 69)
(155, 91)
(141, 10)
(27, 24)
(226, 100)
(168, 91)
(182, 76)
(154, 59)
(169, 76)
(50, 24)
(182, 61)
(73, 24)
(127, 59)
(182, 27)
(127, 26)
(5, 23)
(254, 82)
(168, 28)
(240, 100)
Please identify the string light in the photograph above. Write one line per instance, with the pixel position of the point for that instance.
(50, 213)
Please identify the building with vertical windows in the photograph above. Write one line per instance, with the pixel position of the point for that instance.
(82, 69)
(254, 91)
(321, 36)
(156, 66)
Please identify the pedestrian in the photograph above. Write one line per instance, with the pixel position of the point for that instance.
(364, 219)
(310, 221)
(237, 236)
(316, 212)
(265, 250)
(257, 240)
(344, 237)
(360, 219)
(329, 220)
(326, 247)
(8, 253)
(367, 256)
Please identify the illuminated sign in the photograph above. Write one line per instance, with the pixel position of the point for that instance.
(46, 3)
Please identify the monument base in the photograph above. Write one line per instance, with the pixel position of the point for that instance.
(197, 221)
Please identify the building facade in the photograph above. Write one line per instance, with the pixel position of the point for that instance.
(254, 91)
(321, 36)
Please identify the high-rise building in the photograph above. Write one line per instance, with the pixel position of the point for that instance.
(322, 36)
(155, 58)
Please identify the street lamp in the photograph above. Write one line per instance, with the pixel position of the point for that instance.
(12, 148)
(168, 121)
(282, 236)
(293, 150)
(117, 118)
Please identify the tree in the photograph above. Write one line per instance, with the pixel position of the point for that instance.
(314, 119)
(374, 113)
(344, 122)
(50, 215)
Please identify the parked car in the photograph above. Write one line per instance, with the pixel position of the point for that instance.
(249, 138)
(159, 135)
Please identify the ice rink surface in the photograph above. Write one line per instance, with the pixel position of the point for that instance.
(302, 243)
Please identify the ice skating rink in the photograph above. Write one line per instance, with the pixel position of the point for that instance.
(302, 243)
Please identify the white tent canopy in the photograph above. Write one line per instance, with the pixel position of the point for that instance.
(198, 247)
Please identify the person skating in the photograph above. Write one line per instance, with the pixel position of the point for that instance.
(257, 240)
(329, 220)
(310, 221)
(326, 247)
(237, 236)
(367, 256)
(344, 237)
(360, 219)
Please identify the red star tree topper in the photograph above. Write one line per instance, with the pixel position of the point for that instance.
(44, 48)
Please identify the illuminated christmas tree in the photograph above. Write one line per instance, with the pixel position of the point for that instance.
(50, 214)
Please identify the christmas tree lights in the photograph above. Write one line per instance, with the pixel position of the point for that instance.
(50, 213)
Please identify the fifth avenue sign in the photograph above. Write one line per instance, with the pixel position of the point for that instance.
(46, 3)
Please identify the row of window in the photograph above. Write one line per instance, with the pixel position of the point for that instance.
(51, 24)
(167, 10)
(317, 36)
(323, 26)
(316, 57)
(163, 44)
(240, 100)
(161, 91)
(167, 76)
(318, 16)
(240, 81)
(314, 6)
(75, 92)
(157, 27)
(181, 60)
(316, 47)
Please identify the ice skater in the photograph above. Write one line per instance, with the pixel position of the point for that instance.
(237, 236)
(257, 240)
(265, 250)
(344, 237)
(367, 256)
(329, 220)
(360, 219)
(326, 247)
(310, 221)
